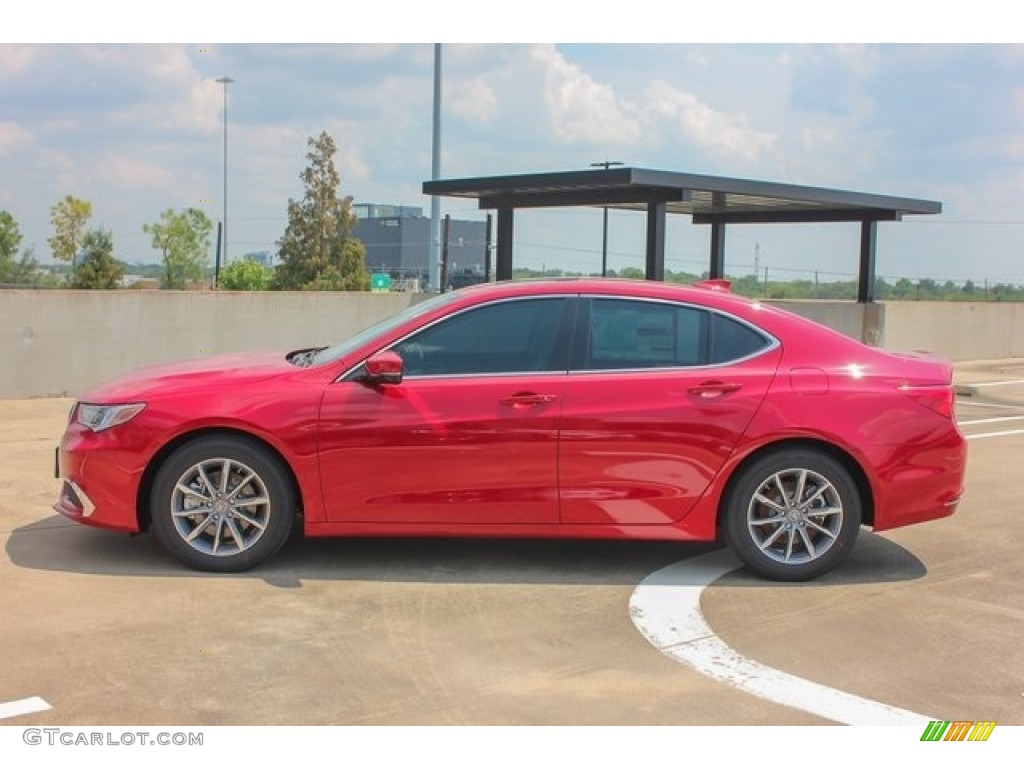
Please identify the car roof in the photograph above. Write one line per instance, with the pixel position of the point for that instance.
(781, 323)
(616, 286)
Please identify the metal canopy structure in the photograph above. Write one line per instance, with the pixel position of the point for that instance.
(713, 200)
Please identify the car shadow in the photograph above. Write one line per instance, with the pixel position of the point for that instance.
(55, 544)
(874, 560)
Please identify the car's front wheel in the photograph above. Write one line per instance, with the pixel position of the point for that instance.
(222, 504)
(793, 514)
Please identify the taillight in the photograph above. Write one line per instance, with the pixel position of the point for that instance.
(941, 399)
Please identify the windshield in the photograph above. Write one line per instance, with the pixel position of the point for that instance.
(330, 354)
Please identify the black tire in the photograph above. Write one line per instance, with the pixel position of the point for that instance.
(785, 538)
(222, 504)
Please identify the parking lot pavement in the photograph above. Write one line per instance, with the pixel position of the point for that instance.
(991, 380)
(108, 630)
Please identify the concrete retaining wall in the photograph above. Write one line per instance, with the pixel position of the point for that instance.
(63, 342)
(982, 331)
(864, 322)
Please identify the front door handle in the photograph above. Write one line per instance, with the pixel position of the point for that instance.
(709, 390)
(526, 399)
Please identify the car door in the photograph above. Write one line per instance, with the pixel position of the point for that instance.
(469, 436)
(658, 395)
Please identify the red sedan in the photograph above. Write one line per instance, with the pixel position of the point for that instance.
(572, 408)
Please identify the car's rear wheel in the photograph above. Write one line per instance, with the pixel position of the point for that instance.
(793, 514)
(222, 504)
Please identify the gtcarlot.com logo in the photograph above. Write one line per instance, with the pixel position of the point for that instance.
(74, 738)
(958, 730)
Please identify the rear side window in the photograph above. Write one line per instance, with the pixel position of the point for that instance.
(732, 340)
(625, 334)
(641, 334)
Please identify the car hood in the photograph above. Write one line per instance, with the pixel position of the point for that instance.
(206, 373)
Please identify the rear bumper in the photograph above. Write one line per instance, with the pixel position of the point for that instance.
(919, 483)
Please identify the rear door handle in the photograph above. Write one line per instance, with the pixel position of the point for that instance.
(708, 390)
(526, 399)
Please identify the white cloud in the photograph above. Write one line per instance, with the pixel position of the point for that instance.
(697, 58)
(131, 172)
(817, 138)
(580, 109)
(863, 59)
(61, 170)
(720, 134)
(272, 137)
(351, 159)
(1015, 148)
(13, 138)
(474, 100)
(993, 199)
(17, 59)
(176, 97)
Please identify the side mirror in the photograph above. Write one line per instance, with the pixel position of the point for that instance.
(384, 367)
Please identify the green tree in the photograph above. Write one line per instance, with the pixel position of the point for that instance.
(10, 241)
(927, 289)
(318, 251)
(903, 289)
(883, 290)
(184, 240)
(747, 285)
(69, 218)
(98, 267)
(15, 270)
(10, 237)
(245, 275)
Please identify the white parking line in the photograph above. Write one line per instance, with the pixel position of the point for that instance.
(998, 383)
(992, 420)
(23, 707)
(995, 434)
(665, 607)
(989, 405)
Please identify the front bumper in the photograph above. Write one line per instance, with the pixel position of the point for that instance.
(101, 473)
(73, 502)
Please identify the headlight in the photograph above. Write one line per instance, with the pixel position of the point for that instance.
(100, 417)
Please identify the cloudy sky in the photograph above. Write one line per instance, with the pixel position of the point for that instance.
(137, 128)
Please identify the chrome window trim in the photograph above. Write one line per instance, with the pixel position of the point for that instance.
(773, 342)
(675, 368)
(427, 376)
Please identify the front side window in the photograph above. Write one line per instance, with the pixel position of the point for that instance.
(388, 324)
(516, 336)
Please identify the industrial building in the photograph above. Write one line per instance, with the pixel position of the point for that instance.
(397, 241)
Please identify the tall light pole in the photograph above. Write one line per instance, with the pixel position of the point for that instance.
(606, 164)
(434, 257)
(225, 81)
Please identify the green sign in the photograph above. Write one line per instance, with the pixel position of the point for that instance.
(380, 282)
